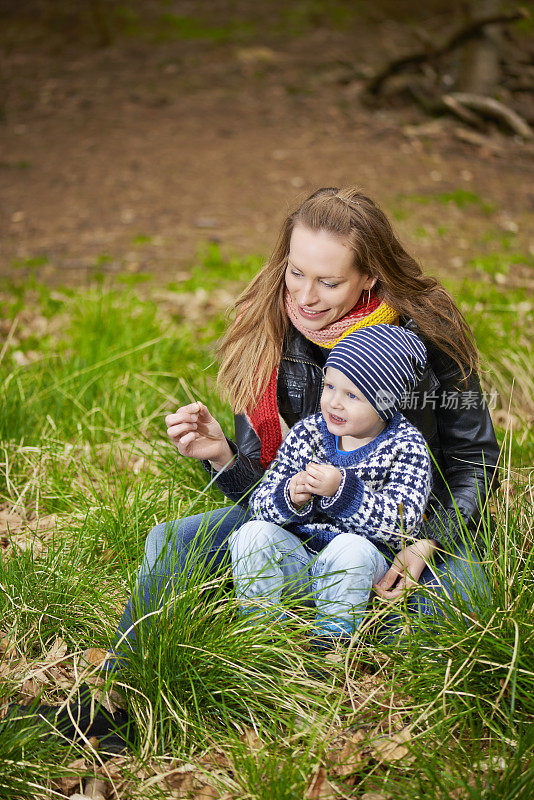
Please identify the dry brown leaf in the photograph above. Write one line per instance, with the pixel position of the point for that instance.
(319, 788)
(114, 768)
(69, 782)
(96, 789)
(92, 743)
(252, 740)
(181, 777)
(206, 792)
(215, 758)
(30, 690)
(5, 670)
(374, 796)
(7, 647)
(57, 651)
(110, 699)
(334, 657)
(94, 656)
(351, 755)
(392, 748)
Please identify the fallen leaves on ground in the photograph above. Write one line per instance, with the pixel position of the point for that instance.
(175, 779)
(69, 782)
(19, 533)
(319, 788)
(51, 671)
(348, 753)
(392, 747)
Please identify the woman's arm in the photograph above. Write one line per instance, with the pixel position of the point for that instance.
(245, 471)
(406, 569)
(467, 452)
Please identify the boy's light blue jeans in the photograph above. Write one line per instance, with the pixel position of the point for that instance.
(269, 563)
(173, 548)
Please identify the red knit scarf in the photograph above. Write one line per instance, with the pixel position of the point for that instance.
(264, 417)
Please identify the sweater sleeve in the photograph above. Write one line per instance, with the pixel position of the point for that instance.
(392, 514)
(244, 473)
(270, 500)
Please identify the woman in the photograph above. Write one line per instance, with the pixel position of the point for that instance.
(337, 267)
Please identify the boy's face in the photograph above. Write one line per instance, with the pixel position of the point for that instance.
(345, 409)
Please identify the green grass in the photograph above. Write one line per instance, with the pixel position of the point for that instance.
(169, 26)
(304, 15)
(31, 262)
(82, 437)
(461, 198)
(212, 269)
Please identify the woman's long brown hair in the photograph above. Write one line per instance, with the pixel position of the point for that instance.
(252, 346)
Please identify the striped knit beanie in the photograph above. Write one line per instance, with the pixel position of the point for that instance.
(383, 361)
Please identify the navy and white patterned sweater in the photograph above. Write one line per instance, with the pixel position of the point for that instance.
(382, 495)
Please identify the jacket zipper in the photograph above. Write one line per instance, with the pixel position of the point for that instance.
(300, 361)
(310, 364)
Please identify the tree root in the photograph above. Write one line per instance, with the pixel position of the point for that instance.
(463, 104)
(452, 104)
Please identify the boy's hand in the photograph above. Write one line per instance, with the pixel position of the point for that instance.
(297, 489)
(322, 479)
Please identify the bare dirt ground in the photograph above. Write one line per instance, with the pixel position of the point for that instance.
(128, 157)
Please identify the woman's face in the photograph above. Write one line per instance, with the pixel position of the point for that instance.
(321, 278)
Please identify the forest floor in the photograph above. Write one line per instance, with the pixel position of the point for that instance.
(127, 158)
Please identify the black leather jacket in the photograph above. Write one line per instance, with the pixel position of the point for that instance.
(455, 423)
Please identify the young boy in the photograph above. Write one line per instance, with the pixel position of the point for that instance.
(348, 487)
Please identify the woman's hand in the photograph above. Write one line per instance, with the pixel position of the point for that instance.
(406, 569)
(322, 479)
(198, 435)
(297, 489)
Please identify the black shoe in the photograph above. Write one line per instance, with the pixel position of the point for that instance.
(115, 731)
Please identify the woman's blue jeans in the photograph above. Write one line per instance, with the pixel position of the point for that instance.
(173, 550)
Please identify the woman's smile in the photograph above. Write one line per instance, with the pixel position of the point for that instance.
(309, 313)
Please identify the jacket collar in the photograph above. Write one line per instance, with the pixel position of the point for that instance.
(297, 346)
